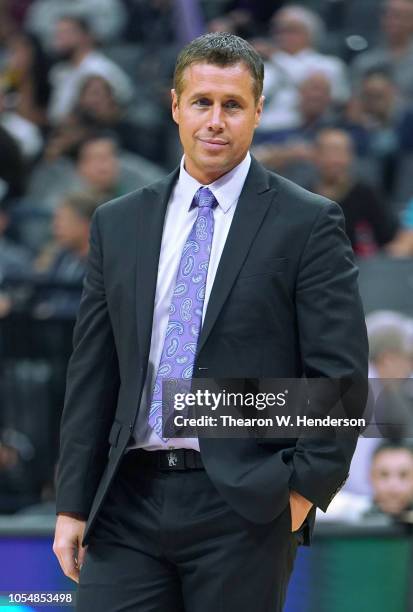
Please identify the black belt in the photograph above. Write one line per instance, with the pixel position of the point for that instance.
(166, 460)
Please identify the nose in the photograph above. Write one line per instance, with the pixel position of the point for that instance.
(215, 119)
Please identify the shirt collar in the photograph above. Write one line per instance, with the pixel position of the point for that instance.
(226, 189)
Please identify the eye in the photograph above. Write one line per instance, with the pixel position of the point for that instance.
(201, 102)
(232, 104)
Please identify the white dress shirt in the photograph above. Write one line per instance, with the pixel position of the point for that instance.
(179, 220)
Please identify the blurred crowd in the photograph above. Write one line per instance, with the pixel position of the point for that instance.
(85, 117)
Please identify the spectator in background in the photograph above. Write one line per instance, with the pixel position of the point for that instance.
(97, 109)
(25, 78)
(26, 134)
(395, 53)
(108, 17)
(98, 167)
(297, 32)
(64, 261)
(391, 365)
(391, 345)
(370, 226)
(280, 148)
(378, 109)
(75, 47)
(391, 479)
(96, 164)
(391, 476)
(93, 168)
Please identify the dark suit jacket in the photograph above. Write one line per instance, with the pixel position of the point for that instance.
(284, 304)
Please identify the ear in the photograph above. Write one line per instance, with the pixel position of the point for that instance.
(258, 110)
(175, 106)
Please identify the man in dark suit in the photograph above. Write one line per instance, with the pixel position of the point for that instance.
(220, 270)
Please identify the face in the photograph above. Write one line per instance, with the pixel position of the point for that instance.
(392, 480)
(98, 164)
(97, 98)
(290, 34)
(315, 95)
(69, 228)
(216, 114)
(20, 54)
(333, 155)
(394, 364)
(68, 37)
(397, 19)
(377, 96)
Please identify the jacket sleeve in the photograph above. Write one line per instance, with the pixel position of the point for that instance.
(333, 342)
(91, 392)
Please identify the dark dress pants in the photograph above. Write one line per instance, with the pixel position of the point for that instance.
(168, 542)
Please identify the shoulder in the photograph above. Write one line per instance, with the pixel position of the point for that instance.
(122, 207)
(299, 211)
(296, 199)
(369, 59)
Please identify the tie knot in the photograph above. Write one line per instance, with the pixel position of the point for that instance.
(204, 198)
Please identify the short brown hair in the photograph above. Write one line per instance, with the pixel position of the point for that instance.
(83, 204)
(221, 49)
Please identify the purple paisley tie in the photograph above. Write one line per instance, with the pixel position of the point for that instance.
(185, 311)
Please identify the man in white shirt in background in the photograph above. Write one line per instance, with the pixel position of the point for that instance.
(297, 31)
(74, 44)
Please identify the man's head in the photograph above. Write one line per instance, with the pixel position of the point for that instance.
(72, 219)
(334, 154)
(296, 28)
(97, 100)
(315, 96)
(98, 163)
(71, 36)
(391, 475)
(217, 102)
(378, 95)
(390, 344)
(397, 21)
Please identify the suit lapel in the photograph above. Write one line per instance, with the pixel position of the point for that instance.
(151, 215)
(252, 206)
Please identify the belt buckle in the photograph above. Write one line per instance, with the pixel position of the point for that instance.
(173, 460)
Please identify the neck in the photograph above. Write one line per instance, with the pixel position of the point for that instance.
(334, 187)
(311, 118)
(80, 55)
(399, 45)
(204, 177)
(82, 250)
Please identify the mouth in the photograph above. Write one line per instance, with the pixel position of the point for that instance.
(214, 144)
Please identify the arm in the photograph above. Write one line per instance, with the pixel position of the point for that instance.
(90, 402)
(333, 343)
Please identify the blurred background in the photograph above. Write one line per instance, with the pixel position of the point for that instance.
(85, 117)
